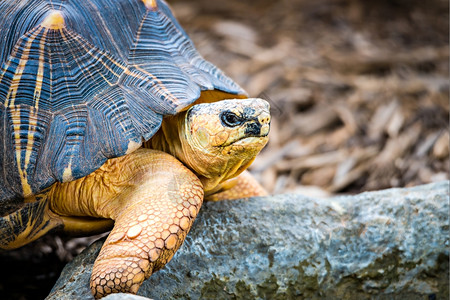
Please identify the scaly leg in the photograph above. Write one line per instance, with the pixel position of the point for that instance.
(150, 227)
(153, 199)
(243, 186)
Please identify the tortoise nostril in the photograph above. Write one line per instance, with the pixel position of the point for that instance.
(264, 118)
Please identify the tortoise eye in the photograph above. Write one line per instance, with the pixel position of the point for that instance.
(230, 119)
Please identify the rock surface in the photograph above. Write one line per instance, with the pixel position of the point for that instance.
(383, 245)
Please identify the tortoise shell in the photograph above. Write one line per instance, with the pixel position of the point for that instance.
(82, 81)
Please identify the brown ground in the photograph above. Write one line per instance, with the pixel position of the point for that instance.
(359, 89)
(359, 92)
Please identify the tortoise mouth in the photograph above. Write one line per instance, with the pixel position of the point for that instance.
(247, 141)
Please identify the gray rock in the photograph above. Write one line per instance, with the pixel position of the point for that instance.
(122, 296)
(391, 244)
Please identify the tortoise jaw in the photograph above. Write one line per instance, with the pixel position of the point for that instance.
(253, 142)
(245, 141)
(254, 137)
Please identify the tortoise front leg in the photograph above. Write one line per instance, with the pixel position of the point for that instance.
(153, 199)
(150, 225)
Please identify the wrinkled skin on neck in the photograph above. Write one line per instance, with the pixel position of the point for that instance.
(205, 142)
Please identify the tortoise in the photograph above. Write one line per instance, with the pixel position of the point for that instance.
(110, 119)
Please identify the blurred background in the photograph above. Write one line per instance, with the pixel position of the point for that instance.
(359, 91)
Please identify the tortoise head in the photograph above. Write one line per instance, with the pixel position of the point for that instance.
(218, 140)
(228, 127)
(224, 137)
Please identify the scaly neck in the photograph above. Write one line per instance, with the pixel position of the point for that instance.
(209, 165)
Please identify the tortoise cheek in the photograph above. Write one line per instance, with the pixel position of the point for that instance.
(221, 138)
(203, 137)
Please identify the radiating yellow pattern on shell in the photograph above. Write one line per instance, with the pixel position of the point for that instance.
(37, 95)
(15, 116)
(150, 4)
(16, 113)
(55, 20)
(19, 71)
(40, 73)
(10, 102)
(67, 174)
